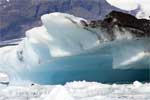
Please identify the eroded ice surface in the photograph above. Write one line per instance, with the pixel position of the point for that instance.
(77, 91)
(64, 49)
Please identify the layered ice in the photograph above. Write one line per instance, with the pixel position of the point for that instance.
(64, 46)
(63, 36)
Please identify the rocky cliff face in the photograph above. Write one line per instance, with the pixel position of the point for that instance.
(17, 16)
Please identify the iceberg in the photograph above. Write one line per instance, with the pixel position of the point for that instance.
(67, 48)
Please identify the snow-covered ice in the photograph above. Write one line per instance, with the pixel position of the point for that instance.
(8, 0)
(78, 91)
(124, 4)
(141, 5)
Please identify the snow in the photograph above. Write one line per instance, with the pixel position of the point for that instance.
(59, 93)
(80, 90)
(8, 0)
(144, 11)
(124, 4)
(141, 5)
(4, 77)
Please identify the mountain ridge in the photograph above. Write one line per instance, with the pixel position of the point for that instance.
(17, 16)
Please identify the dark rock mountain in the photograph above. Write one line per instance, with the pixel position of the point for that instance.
(17, 16)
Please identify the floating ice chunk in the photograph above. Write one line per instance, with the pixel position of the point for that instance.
(137, 84)
(61, 35)
(144, 11)
(4, 78)
(62, 46)
(59, 93)
(79, 90)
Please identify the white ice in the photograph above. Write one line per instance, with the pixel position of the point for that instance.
(8, 0)
(77, 91)
(142, 5)
(124, 4)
